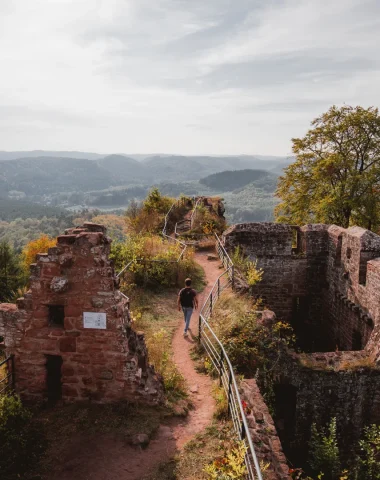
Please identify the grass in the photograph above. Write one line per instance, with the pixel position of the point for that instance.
(231, 307)
(213, 443)
(154, 315)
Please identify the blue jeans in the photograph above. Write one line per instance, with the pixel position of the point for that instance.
(187, 312)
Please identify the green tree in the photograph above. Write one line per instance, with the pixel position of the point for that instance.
(336, 175)
(11, 274)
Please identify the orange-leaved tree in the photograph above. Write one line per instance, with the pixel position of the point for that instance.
(31, 249)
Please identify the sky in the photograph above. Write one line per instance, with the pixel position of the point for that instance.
(181, 76)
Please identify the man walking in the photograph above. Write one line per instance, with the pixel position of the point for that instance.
(187, 301)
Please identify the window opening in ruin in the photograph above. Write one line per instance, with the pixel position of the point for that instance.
(338, 251)
(357, 340)
(56, 315)
(363, 271)
(348, 252)
(54, 378)
(295, 240)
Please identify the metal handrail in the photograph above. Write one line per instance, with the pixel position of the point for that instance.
(10, 376)
(225, 254)
(222, 364)
(194, 214)
(164, 232)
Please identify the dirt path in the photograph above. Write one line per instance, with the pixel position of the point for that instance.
(200, 385)
(106, 457)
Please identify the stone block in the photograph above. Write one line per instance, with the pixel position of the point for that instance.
(59, 284)
(68, 344)
(69, 391)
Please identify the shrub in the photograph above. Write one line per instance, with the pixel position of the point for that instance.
(155, 262)
(207, 221)
(21, 441)
(324, 451)
(368, 461)
(246, 267)
(149, 217)
(230, 466)
(249, 345)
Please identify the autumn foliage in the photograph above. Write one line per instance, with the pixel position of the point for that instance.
(40, 245)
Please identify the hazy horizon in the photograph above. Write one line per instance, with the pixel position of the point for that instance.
(196, 77)
(149, 154)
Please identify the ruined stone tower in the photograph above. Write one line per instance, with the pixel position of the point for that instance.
(71, 335)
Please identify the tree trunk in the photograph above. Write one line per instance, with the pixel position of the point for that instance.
(346, 217)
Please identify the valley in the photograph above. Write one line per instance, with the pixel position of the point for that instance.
(46, 191)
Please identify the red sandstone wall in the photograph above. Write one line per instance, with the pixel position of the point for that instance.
(101, 365)
(263, 432)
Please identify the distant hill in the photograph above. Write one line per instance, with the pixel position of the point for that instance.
(44, 153)
(41, 175)
(124, 168)
(173, 168)
(235, 179)
(188, 168)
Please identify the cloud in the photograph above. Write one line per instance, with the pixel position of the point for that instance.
(216, 76)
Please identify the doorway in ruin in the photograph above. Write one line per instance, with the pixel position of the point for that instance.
(300, 323)
(54, 378)
(285, 397)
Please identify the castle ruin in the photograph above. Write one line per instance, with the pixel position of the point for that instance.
(325, 281)
(70, 335)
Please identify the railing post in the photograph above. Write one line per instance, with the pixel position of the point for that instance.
(229, 393)
(199, 329)
(221, 367)
(243, 432)
(211, 304)
(218, 287)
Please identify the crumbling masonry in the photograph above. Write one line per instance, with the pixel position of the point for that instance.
(71, 335)
(325, 281)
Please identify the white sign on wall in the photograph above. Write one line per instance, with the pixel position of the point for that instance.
(95, 320)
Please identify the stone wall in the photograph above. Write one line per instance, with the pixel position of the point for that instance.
(325, 280)
(352, 302)
(263, 432)
(47, 326)
(316, 387)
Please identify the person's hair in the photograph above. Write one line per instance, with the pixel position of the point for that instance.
(188, 282)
